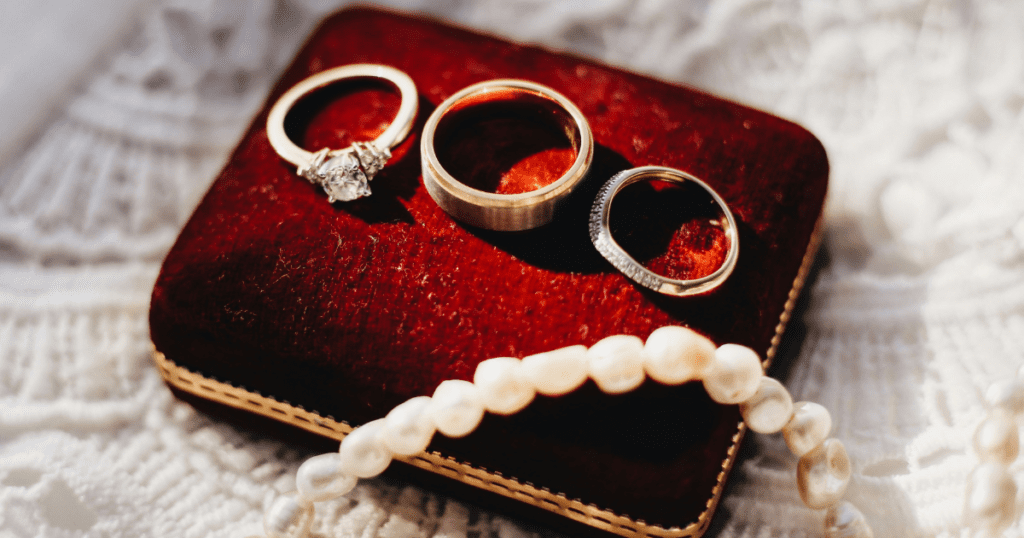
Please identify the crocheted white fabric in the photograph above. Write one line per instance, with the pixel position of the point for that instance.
(919, 308)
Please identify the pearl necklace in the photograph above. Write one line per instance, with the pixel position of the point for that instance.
(991, 494)
(731, 374)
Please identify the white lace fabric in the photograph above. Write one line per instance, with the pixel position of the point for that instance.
(917, 310)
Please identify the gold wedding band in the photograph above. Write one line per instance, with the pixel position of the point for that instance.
(506, 212)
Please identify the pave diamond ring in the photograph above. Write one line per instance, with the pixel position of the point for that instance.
(503, 211)
(601, 235)
(345, 173)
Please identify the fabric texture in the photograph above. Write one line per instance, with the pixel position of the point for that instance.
(917, 309)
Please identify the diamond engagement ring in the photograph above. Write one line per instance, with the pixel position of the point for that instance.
(505, 211)
(601, 235)
(345, 173)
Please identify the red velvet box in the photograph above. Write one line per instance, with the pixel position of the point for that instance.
(323, 317)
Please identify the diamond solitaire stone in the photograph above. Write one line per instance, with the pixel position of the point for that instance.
(343, 179)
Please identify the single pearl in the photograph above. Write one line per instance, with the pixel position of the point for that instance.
(734, 375)
(843, 520)
(1007, 394)
(407, 428)
(991, 494)
(456, 409)
(288, 517)
(556, 372)
(809, 426)
(320, 479)
(769, 409)
(823, 474)
(616, 363)
(996, 438)
(502, 387)
(362, 452)
(675, 355)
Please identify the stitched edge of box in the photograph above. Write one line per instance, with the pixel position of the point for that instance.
(465, 472)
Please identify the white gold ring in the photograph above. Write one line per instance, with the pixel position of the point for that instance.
(345, 173)
(601, 235)
(506, 212)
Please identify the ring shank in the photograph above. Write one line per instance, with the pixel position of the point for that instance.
(600, 234)
(504, 212)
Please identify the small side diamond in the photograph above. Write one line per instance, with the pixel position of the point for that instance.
(311, 171)
(371, 158)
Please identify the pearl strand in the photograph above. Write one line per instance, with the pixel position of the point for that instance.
(731, 374)
(991, 495)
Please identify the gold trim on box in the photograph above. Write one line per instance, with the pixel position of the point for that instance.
(188, 381)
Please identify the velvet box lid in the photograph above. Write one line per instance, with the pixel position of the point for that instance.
(324, 317)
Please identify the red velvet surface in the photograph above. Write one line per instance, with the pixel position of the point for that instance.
(351, 308)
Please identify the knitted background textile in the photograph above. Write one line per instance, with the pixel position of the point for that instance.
(918, 307)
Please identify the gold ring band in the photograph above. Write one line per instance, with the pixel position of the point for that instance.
(505, 212)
